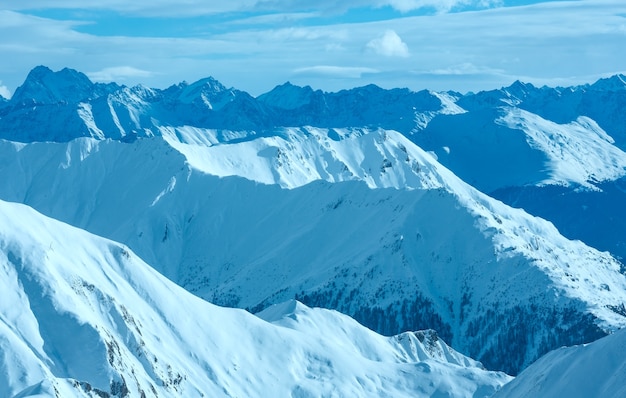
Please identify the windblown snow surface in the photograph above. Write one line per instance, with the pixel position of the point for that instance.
(84, 316)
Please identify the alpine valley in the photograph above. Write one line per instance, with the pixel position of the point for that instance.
(198, 241)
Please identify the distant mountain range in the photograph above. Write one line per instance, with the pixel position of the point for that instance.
(382, 204)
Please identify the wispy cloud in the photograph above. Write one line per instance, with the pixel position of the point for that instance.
(464, 69)
(275, 19)
(171, 8)
(440, 5)
(550, 41)
(118, 74)
(334, 71)
(389, 45)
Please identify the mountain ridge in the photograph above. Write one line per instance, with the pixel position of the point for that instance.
(392, 239)
(253, 201)
(85, 317)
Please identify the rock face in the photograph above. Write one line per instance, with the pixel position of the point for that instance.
(208, 186)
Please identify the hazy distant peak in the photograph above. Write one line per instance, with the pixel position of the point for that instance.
(613, 83)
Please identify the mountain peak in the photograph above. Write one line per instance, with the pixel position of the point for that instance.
(39, 72)
(288, 96)
(519, 89)
(44, 86)
(210, 83)
(205, 93)
(613, 83)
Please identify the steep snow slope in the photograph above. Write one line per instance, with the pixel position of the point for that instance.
(602, 101)
(496, 148)
(556, 152)
(596, 217)
(498, 284)
(593, 370)
(83, 316)
(294, 157)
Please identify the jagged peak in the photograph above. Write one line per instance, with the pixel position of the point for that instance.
(207, 92)
(209, 83)
(141, 89)
(519, 89)
(367, 89)
(38, 72)
(613, 83)
(44, 86)
(44, 74)
(288, 96)
(288, 86)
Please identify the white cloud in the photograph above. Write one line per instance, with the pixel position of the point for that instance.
(118, 73)
(202, 7)
(389, 45)
(334, 71)
(466, 68)
(439, 5)
(545, 42)
(4, 91)
(275, 19)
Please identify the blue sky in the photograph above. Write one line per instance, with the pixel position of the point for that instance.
(253, 45)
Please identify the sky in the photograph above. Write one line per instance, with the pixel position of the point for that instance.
(254, 45)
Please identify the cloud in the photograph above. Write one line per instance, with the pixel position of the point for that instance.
(547, 41)
(196, 8)
(389, 45)
(440, 5)
(465, 69)
(4, 91)
(118, 73)
(334, 71)
(275, 19)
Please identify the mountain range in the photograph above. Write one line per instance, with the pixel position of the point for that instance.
(390, 206)
(83, 316)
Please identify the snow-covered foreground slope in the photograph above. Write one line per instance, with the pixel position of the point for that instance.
(500, 285)
(597, 369)
(84, 316)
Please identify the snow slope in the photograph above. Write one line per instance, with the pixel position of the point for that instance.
(497, 148)
(370, 225)
(217, 191)
(83, 316)
(556, 152)
(597, 369)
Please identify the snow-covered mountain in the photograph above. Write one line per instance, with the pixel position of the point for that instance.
(234, 199)
(556, 152)
(370, 225)
(597, 369)
(60, 106)
(82, 316)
